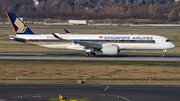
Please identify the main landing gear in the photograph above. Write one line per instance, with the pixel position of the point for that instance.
(90, 54)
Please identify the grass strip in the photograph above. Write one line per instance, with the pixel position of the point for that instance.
(94, 82)
(95, 72)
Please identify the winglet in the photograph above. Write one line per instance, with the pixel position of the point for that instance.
(56, 36)
(67, 31)
(18, 26)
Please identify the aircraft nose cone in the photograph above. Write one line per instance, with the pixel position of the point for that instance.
(172, 45)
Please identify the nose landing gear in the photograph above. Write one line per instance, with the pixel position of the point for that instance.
(163, 53)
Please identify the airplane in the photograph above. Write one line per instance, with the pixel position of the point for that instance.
(109, 44)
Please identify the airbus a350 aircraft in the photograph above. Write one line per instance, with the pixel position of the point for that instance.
(109, 44)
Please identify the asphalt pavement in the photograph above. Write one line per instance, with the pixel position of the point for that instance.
(92, 92)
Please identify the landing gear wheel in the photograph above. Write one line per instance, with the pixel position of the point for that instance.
(87, 54)
(93, 54)
(90, 54)
(163, 55)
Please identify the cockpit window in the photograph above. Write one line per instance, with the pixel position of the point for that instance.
(168, 40)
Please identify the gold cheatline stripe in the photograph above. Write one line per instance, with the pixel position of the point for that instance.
(10, 23)
(48, 43)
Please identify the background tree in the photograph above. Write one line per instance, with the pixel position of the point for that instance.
(159, 10)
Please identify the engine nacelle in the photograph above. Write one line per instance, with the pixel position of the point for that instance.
(110, 50)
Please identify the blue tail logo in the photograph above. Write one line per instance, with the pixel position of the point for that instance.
(18, 26)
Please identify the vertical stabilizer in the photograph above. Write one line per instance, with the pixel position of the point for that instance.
(18, 26)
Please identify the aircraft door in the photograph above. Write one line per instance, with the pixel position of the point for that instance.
(157, 40)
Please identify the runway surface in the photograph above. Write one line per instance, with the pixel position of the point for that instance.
(93, 92)
(32, 56)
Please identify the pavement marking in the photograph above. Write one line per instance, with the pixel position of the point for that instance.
(17, 97)
(36, 96)
(125, 98)
(106, 88)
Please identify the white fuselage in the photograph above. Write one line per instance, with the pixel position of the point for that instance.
(124, 41)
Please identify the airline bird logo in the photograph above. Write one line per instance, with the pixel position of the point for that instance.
(20, 25)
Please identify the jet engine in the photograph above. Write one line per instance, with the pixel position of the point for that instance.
(110, 50)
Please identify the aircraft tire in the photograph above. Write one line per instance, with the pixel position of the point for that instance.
(93, 54)
(90, 54)
(87, 54)
(163, 55)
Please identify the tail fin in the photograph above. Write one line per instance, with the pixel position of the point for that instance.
(18, 26)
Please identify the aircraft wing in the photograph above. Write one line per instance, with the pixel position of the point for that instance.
(97, 45)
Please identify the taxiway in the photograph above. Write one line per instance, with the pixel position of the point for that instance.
(33, 56)
(93, 92)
